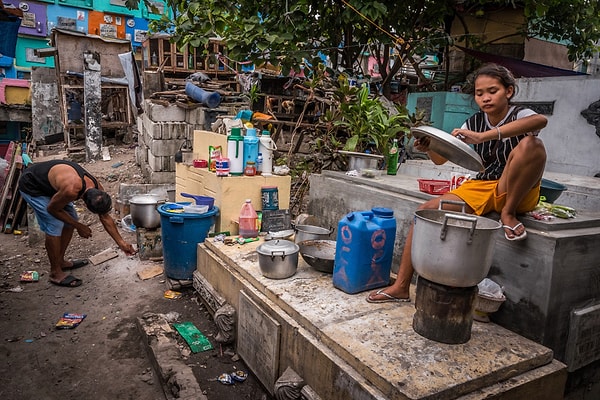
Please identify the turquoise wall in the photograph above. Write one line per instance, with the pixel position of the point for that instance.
(24, 54)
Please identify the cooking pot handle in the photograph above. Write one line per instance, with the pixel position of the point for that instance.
(456, 203)
(276, 253)
(472, 220)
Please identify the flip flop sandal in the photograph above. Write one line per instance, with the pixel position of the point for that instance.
(68, 281)
(388, 298)
(77, 264)
(515, 238)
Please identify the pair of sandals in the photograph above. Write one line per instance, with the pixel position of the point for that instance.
(70, 280)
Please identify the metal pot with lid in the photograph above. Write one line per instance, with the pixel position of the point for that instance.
(143, 210)
(452, 248)
(278, 259)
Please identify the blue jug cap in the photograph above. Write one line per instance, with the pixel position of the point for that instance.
(251, 132)
(383, 212)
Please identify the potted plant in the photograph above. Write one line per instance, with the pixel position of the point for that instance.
(370, 124)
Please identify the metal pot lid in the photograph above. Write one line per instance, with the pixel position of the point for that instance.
(145, 199)
(279, 247)
(448, 146)
(357, 154)
(281, 234)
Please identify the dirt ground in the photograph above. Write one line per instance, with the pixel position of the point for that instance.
(104, 357)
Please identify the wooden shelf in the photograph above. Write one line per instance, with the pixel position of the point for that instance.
(160, 52)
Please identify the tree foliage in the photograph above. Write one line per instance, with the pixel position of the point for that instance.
(290, 32)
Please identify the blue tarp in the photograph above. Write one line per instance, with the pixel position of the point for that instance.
(9, 28)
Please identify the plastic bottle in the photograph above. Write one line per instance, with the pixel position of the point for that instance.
(235, 152)
(259, 163)
(266, 148)
(392, 160)
(250, 146)
(248, 220)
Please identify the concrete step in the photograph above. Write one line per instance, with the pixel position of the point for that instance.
(583, 192)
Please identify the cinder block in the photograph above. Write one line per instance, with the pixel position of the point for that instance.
(153, 130)
(161, 163)
(162, 177)
(195, 116)
(159, 113)
(140, 122)
(174, 130)
(149, 243)
(165, 147)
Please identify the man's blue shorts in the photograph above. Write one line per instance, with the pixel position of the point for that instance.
(49, 224)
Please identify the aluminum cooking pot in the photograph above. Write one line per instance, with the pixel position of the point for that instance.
(451, 248)
(278, 259)
(310, 232)
(143, 210)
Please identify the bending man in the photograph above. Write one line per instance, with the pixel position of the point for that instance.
(50, 187)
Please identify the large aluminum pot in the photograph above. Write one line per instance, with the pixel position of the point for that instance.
(452, 248)
(278, 259)
(143, 210)
(310, 232)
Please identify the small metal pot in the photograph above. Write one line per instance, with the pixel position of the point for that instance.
(310, 232)
(278, 259)
(143, 210)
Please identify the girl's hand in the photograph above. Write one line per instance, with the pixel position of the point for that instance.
(467, 136)
(422, 144)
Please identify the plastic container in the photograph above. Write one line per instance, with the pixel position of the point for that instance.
(235, 152)
(250, 169)
(433, 186)
(248, 221)
(200, 200)
(181, 232)
(223, 166)
(270, 197)
(266, 148)
(364, 250)
(250, 146)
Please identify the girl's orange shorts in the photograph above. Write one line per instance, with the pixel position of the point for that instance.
(483, 198)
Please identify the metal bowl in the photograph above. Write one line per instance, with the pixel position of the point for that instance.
(319, 254)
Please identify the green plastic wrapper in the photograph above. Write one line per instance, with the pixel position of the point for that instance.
(193, 337)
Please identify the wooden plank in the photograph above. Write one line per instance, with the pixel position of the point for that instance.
(103, 256)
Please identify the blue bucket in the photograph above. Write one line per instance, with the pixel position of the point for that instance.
(181, 233)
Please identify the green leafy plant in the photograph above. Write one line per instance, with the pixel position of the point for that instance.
(369, 124)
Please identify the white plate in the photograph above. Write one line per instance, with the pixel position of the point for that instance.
(448, 146)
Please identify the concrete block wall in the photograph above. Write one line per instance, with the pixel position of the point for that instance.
(162, 132)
